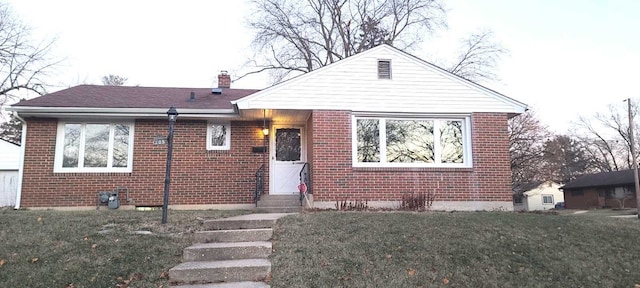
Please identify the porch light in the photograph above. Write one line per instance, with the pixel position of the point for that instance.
(265, 131)
(173, 115)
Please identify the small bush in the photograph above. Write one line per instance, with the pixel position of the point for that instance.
(357, 205)
(417, 201)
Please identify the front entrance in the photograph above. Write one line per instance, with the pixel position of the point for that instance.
(288, 155)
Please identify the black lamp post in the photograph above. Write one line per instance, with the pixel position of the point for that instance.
(173, 115)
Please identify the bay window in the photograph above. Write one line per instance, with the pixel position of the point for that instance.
(94, 147)
(411, 142)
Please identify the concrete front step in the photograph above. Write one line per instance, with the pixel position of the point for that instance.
(244, 284)
(249, 221)
(227, 251)
(220, 224)
(280, 209)
(279, 201)
(238, 235)
(220, 271)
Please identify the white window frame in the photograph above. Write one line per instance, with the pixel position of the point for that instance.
(466, 142)
(227, 140)
(57, 167)
(547, 195)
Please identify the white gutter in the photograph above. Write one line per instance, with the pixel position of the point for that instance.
(119, 115)
(163, 111)
(120, 112)
(23, 145)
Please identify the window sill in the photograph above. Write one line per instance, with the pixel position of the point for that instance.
(414, 169)
(218, 148)
(90, 173)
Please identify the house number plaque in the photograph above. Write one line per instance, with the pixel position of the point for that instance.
(160, 140)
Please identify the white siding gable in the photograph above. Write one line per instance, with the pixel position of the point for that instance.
(352, 84)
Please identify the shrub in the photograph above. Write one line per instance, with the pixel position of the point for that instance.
(417, 201)
(357, 205)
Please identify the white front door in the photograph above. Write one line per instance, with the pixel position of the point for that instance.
(288, 155)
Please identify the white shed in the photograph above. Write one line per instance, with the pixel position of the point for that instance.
(9, 166)
(539, 196)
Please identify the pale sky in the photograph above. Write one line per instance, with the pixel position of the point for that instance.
(567, 58)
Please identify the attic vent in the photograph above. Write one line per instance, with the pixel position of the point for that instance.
(384, 69)
(216, 91)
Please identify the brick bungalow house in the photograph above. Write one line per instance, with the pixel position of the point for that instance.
(373, 126)
(601, 190)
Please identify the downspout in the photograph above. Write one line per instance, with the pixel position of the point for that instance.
(23, 145)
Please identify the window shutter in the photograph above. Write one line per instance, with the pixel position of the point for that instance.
(384, 69)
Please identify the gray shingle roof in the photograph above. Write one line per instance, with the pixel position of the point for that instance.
(524, 187)
(603, 179)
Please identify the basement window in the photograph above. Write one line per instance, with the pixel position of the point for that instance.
(94, 147)
(384, 69)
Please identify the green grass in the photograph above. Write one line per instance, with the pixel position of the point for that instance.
(481, 249)
(67, 249)
(330, 249)
(601, 212)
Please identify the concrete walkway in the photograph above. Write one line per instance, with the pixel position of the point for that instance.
(230, 252)
(256, 216)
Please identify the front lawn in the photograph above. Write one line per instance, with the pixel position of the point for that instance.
(462, 249)
(106, 248)
(601, 212)
(330, 249)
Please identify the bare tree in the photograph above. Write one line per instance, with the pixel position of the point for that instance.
(603, 150)
(527, 137)
(299, 36)
(11, 130)
(621, 196)
(565, 158)
(23, 62)
(114, 80)
(606, 135)
(303, 35)
(479, 56)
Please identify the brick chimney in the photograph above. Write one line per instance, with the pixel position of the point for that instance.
(224, 79)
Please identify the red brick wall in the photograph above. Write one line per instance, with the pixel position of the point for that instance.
(309, 147)
(198, 176)
(334, 178)
(590, 199)
(225, 177)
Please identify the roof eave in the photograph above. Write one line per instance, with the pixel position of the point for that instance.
(597, 186)
(66, 112)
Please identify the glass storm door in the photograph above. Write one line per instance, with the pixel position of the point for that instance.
(287, 158)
